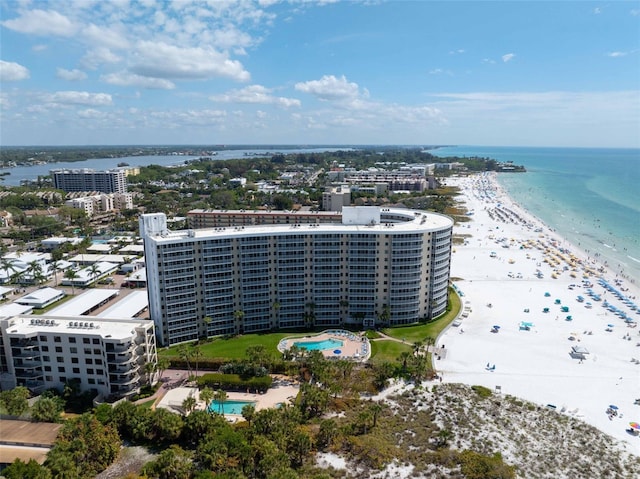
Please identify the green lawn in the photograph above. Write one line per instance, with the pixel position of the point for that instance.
(419, 332)
(387, 351)
(234, 348)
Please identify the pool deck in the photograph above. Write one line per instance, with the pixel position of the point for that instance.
(353, 347)
(282, 391)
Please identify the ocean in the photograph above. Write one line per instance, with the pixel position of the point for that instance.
(587, 195)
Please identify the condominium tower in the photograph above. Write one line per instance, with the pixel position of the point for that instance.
(377, 266)
(86, 179)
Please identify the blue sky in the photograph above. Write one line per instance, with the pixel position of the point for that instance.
(518, 73)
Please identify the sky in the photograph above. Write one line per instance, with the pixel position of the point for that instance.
(302, 72)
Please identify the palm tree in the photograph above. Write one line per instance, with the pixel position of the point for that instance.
(238, 315)
(220, 396)
(35, 269)
(149, 370)
(196, 354)
(161, 366)
(189, 404)
(55, 267)
(207, 395)
(376, 408)
(185, 353)
(207, 320)
(94, 271)
(71, 275)
(7, 265)
(404, 357)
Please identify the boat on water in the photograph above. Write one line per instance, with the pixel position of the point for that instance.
(123, 163)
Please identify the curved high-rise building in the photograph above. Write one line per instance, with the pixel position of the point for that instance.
(378, 266)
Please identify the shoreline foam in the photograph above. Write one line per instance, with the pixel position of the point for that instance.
(534, 363)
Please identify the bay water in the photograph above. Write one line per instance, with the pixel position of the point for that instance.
(589, 196)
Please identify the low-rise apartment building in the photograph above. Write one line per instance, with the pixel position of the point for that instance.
(103, 356)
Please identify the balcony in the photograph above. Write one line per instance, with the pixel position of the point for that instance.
(33, 354)
(28, 365)
(124, 380)
(28, 374)
(118, 347)
(122, 358)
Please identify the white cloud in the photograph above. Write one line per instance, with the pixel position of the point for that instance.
(161, 60)
(635, 12)
(330, 88)
(597, 11)
(191, 117)
(91, 114)
(131, 79)
(456, 52)
(71, 75)
(440, 71)
(10, 71)
(80, 98)
(106, 37)
(508, 57)
(39, 48)
(255, 94)
(99, 56)
(42, 22)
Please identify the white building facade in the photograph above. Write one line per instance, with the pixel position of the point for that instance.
(103, 356)
(376, 267)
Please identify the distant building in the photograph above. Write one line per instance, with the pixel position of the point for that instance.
(103, 356)
(223, 218)
(85, 179)
(101, 203)
(242, 279)
(334, 198)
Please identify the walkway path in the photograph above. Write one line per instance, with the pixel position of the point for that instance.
(439, 352)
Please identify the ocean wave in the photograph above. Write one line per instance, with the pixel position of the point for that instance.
(633, 259)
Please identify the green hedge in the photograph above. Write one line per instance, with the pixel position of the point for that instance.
(234, 382)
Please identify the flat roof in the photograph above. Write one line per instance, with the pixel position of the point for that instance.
(4, 290)
(132, 248)
(100, 247)
(414, 222)
(95, 258)
(26, 432)
(83, 303)
(12, 309)
(25, 324)
(39, 296)
(128, 307)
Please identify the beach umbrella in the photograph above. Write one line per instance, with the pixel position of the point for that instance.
(613, 406)
(496, 327)
(610, 325)
(635, 425)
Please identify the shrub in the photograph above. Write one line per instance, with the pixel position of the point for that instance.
(482, 391)
(234, 382)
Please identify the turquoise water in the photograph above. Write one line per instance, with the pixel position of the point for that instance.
(587, 195)
(229, 407)
(319, 345)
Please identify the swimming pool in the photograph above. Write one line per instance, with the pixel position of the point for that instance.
(319, 345)
(229, 406)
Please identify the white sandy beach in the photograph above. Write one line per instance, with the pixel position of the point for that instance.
(536, 364)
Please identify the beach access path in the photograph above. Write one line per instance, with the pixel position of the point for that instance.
(505, 272)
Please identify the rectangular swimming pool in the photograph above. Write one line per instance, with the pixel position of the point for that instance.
(229, 406)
